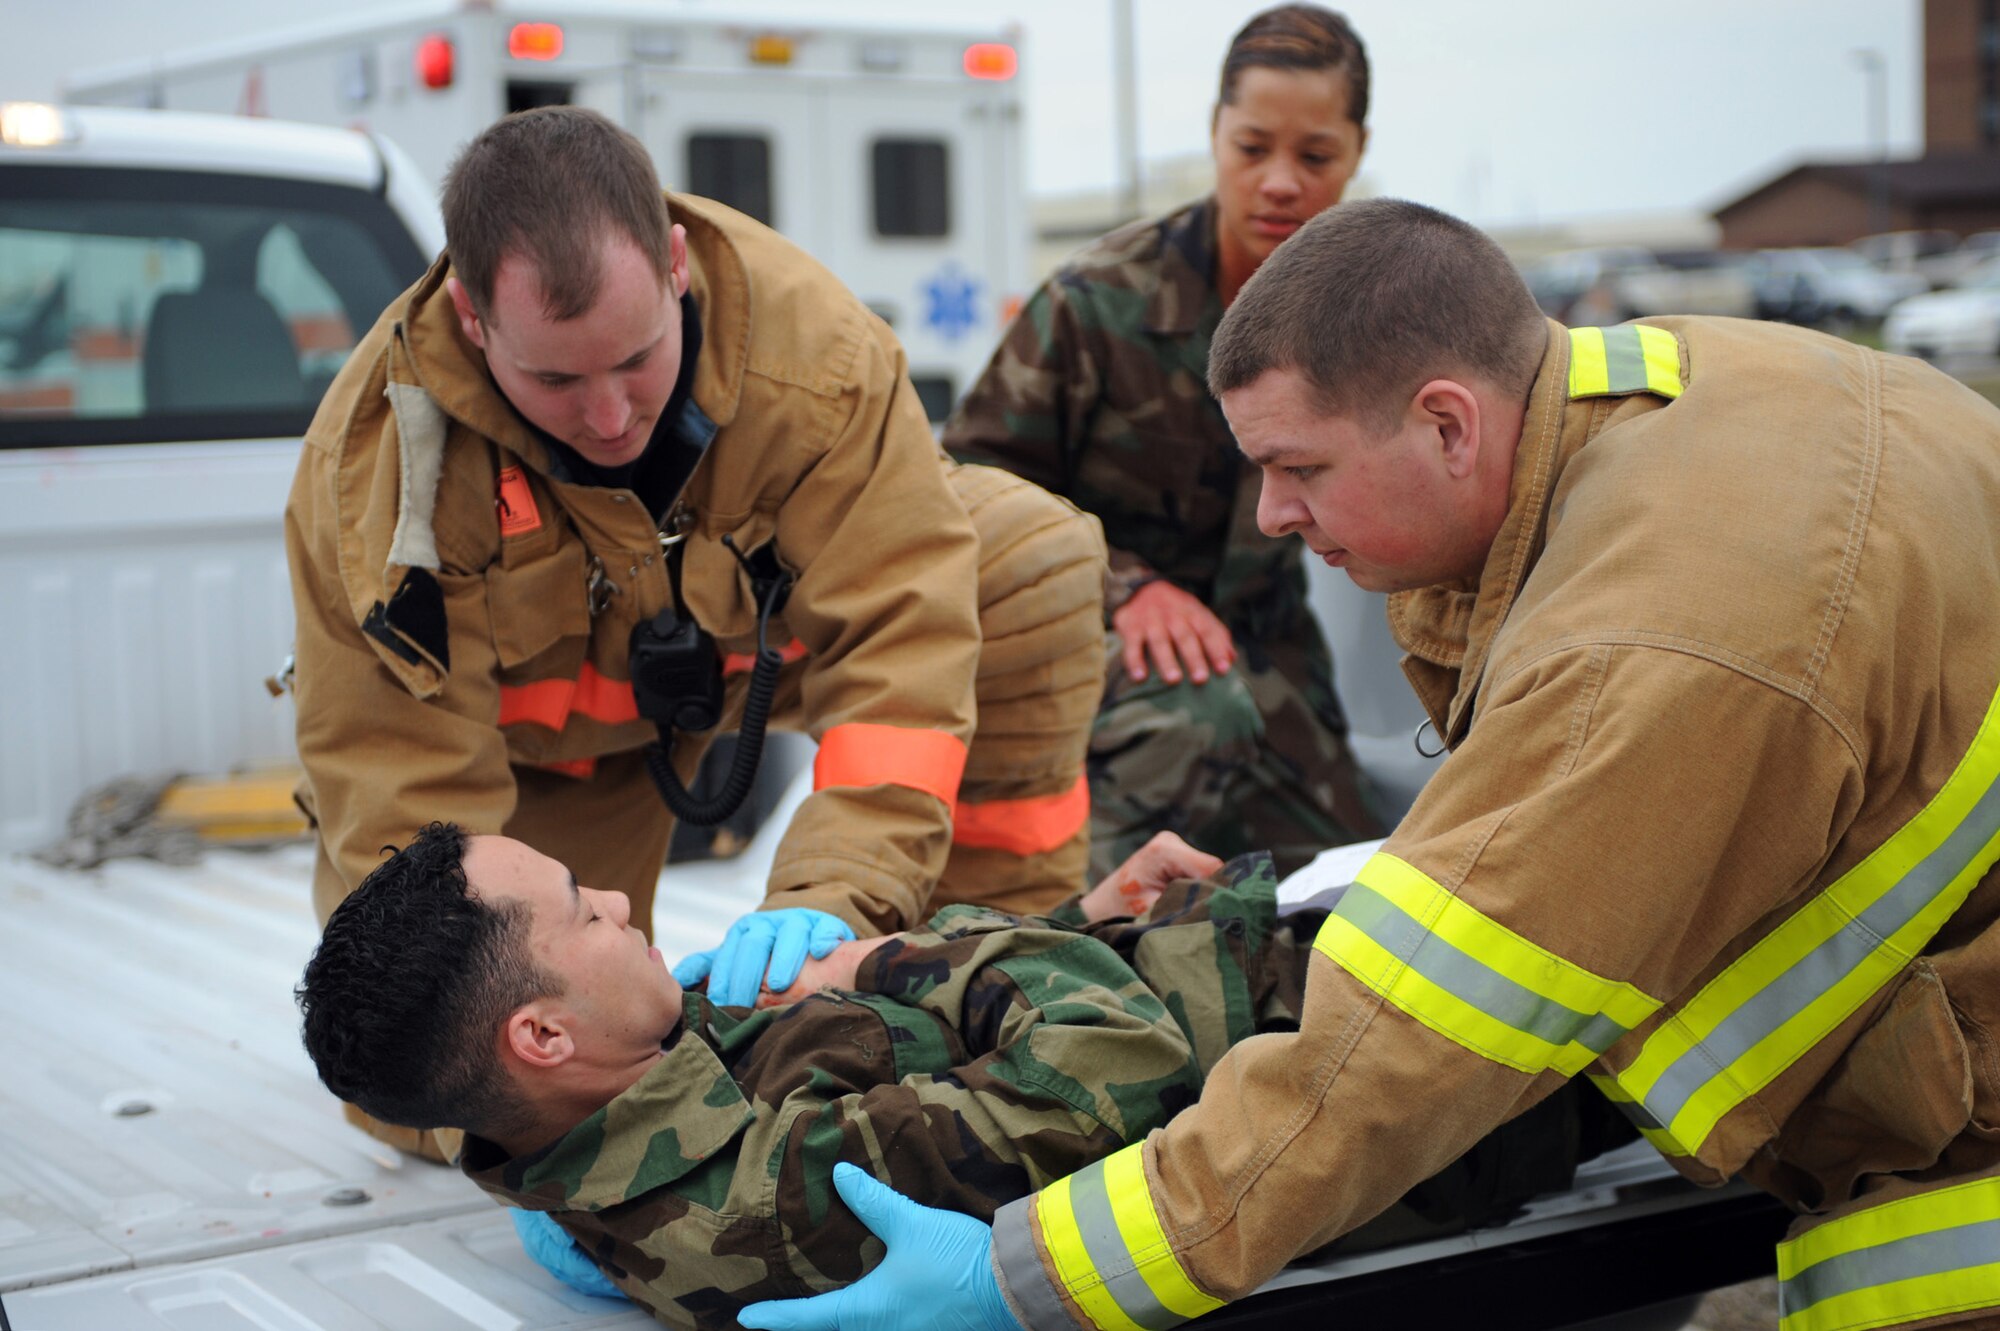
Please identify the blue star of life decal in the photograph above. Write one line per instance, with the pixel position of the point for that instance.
(951, 302)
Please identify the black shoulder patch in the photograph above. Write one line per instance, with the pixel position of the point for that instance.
(413, 619)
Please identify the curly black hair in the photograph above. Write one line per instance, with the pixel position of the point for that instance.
(406, 993)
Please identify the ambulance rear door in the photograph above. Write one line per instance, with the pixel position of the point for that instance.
(920, 229)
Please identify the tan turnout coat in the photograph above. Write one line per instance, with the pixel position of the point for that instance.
(464, 612)
(1717, 829)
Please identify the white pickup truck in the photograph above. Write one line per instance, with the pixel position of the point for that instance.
(174, 291)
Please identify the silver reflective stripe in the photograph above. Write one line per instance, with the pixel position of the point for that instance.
(1026, 1280)
(1639, 1116)
(1937, 1253)
(1471, 979)
(1091, 1203)
(1624, 361)
(1818, 971)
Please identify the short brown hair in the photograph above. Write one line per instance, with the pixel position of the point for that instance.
(1371, 300)
(546, 184)
(1299, 37)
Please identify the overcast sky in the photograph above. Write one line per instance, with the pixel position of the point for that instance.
(1539, 111)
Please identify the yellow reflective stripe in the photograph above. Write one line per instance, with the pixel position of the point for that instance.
(1631, 358)
(1072, 1260)
(1906, 1217)
(1636, 1112)
(1663, 360)
(1903, 1261)
(1145, 1238)
(1757, 1017)
(1442, 1011)
(1527, 964)
(1470, 978)
(1589, 372)
(1903, 1301)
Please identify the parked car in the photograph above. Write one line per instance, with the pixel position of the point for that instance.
(1822, 286)
(176, 292)
(1948, 270)
(1925, 254)
(1964, 321)
(1614, 283)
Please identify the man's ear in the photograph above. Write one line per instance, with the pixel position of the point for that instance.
(537, 1037)
(677, 259)
(468, 318)
(1450, 411)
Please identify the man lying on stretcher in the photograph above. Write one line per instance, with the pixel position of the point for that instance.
(688, 1149)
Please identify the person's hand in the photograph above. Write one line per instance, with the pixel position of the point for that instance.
(936, 1276)
(764, 947)
(1177, 631)
(836, 970)
(1133, 887)
(558, 1254)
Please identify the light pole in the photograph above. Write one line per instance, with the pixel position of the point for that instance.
(1876, 70)
(1126, 95)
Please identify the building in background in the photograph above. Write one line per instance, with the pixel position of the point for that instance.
(1954, 187)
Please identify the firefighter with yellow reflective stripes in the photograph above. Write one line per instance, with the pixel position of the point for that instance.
(1705, 610)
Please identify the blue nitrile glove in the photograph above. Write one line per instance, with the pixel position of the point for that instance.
(779, 939)
(558, 1254)
(937, 1276)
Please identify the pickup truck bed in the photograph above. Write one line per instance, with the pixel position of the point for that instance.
(168, 1162)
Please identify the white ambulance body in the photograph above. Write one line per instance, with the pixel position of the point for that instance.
(892, 155)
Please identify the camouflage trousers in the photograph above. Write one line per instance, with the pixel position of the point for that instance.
(1241, 763)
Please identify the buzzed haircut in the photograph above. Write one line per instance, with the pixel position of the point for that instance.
(1299, 37)
(404, 999)
(1369, 301)
(548, 184)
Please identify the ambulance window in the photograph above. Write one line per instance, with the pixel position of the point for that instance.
(935, 392)
(734, 169)
(912, 187)
(142, 306)
(527, 96)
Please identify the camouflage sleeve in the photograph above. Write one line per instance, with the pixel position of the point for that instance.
(1219, 954)
(1031, 411)
(1022, 1054)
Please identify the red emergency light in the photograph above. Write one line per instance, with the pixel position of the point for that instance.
(436, 61)
(991, 60)
(535, 41)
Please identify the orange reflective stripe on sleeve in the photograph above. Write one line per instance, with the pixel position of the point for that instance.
(862, 754)
(737, 663)
(551, 702)
(580, 768)
(1023, 827)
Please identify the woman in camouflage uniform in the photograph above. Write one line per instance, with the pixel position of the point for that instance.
(1219, 719)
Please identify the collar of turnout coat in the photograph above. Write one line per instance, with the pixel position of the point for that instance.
(623, 1150)
(1451, 625)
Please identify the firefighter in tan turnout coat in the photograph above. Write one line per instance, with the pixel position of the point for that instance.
(1705, 610)
(474, 536)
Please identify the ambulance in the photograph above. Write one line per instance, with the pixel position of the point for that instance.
(892, 154)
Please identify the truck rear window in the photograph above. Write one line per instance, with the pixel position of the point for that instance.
(143, 306)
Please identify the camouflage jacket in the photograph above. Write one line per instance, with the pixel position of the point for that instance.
(978, 1059)
(1099, 393)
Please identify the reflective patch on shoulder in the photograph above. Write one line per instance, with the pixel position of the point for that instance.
(1631, 358)
(420, 436)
